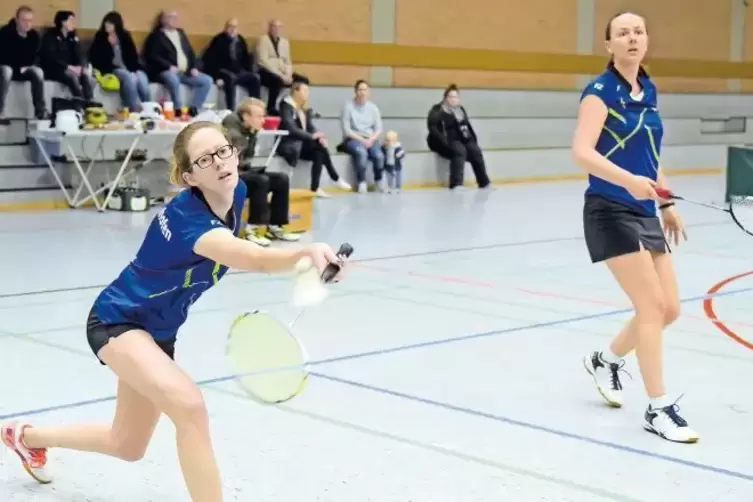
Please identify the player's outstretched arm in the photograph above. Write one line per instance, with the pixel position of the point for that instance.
(221, 246)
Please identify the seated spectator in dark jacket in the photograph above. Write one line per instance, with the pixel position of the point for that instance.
(19, 58)
(113, 52)
(266, 220)
(62, 57)
(171, 61)
(228, 61)
(451, 136)
(304, 141)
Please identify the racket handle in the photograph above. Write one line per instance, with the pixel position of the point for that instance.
(664, 193)
(333, 269)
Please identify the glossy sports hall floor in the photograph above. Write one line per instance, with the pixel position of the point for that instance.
(448, 365)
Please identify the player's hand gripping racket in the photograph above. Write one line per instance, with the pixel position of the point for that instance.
(740, 208)
(265, 356)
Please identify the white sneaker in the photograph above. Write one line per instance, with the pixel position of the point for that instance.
(255, 234)
(279, 233)
(607, 378)
(343, 184)
(668, 424)
(33, 460)
(362, 187)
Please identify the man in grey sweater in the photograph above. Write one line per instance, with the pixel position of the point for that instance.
(361, 124)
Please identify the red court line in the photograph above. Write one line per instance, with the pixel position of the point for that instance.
(708, 308)
(560, 296)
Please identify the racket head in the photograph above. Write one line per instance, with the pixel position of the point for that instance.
(267, 360)
(741, 209)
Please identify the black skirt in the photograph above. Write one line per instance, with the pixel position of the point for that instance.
(612, 229)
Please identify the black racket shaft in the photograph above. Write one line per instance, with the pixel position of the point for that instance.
(667, 195)
(331, 270)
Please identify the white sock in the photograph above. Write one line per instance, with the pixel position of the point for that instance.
(660, 402)
(609, 357)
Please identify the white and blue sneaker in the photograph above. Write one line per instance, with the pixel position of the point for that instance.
(606, 376)
(667, 423)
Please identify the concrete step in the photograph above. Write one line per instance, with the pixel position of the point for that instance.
(17, 155)
(13, 178)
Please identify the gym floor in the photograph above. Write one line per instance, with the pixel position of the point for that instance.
(447, 368)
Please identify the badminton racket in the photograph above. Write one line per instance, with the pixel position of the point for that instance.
(740, 208)
(267, 359)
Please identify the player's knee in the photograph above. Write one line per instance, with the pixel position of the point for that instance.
(671, 312)
(653, 310)
(130, 452)
(187, 405)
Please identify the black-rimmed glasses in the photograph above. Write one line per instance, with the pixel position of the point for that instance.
(222, 153)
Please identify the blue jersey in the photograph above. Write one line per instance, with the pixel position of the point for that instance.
(166, 277)
(631, 136)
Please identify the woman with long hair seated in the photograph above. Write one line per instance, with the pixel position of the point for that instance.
(304, 141)
(113, 51)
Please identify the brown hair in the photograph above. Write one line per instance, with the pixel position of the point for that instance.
(180, 162)
(608, 36)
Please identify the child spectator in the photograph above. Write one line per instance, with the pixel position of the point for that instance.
(393, 161)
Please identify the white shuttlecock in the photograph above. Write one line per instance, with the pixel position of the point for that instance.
(308, 288)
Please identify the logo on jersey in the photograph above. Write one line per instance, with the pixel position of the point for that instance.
(162, 220)
(598, 86)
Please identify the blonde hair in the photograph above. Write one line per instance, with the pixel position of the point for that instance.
(180, 162)
(247, 103)
(391, 136)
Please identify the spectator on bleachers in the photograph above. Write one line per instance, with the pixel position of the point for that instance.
(113, 52)
(62, 57)
(171, 61)
(452, 137)
(275, 64)
(19, 59)
(361, 124)
(266, 218)
(228, 61)
(304, 141)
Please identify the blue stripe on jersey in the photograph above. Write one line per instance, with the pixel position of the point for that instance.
(158, 287)
(631, 136)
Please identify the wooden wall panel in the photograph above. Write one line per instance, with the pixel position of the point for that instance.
(533, 26)
(333, 74)
(341, 20)
(410, 77)
(747, 85)
(44, 10)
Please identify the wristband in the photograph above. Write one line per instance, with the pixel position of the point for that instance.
(666, 205)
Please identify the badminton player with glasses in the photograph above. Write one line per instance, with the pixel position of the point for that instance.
(133, 323)
(617, 141)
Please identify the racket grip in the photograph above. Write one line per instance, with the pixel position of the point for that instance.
(331, 270)
(664, 193)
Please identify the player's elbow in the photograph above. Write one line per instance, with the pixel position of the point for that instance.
(581, 154)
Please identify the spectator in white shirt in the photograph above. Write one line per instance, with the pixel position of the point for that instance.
(361, 124)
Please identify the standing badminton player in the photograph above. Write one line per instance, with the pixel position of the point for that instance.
(617, 140)
(132, 326)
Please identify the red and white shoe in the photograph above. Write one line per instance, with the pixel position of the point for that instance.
(34, 460)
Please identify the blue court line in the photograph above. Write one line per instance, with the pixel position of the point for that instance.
(389, 350)
(540, 428)
(417, 254)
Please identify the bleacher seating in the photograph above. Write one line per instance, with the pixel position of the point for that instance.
(525, 134)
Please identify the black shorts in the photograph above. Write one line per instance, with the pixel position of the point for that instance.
(99, 334)
(613, 229)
